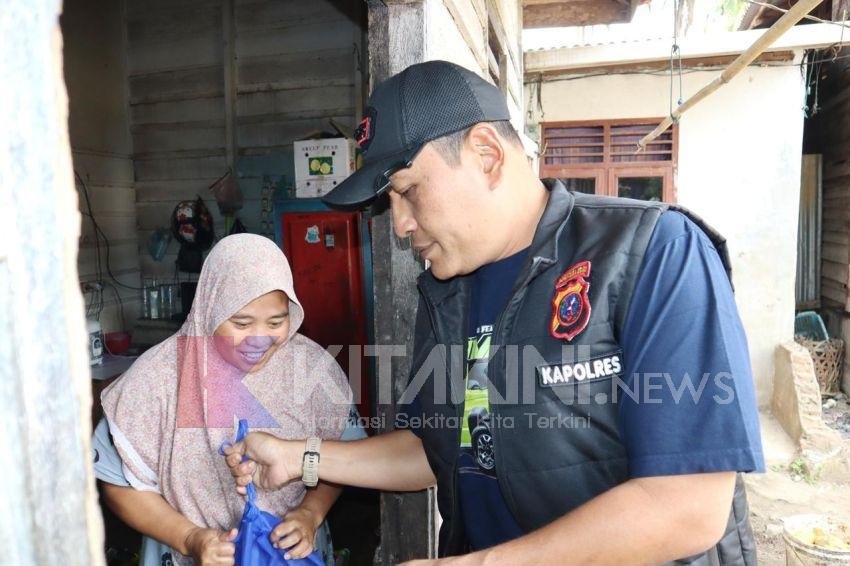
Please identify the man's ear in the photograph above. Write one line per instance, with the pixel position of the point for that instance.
(489, 151)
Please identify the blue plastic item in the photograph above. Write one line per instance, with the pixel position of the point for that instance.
(810, 325)
(253, 547)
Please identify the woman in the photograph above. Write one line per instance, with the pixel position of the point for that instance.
(237, 356)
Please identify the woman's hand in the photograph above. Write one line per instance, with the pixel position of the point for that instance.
(271, 462)
(297, 532)
(211, 547)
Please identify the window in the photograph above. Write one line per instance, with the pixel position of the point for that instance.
(600, 158)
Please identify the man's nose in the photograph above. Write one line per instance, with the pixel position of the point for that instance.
(403, 222)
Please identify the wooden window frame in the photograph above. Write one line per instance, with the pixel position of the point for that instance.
(608, 171)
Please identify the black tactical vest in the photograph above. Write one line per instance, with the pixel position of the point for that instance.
(545, 472)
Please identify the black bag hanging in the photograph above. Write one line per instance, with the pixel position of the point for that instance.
(192, 226)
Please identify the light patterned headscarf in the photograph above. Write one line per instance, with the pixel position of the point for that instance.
(170, 412)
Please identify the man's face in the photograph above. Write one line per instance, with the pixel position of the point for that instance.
(446, 212)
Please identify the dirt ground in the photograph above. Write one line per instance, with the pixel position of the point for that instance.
(786, 489)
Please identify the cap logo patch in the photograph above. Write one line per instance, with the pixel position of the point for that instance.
(366, 130)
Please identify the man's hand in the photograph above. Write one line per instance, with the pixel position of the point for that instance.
(210, 547)
(297, 532)
(270, 464)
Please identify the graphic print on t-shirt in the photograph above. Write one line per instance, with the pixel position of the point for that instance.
(475, 437)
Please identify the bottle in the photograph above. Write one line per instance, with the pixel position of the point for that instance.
(146, 306)
(153, 300)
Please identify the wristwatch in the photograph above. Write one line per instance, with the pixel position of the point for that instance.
(310, 463)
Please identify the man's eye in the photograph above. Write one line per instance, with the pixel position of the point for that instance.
(240, 325)
(275, 324)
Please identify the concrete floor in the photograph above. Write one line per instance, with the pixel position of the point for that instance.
(777, 493)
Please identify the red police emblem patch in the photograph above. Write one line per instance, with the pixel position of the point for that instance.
(570, 305)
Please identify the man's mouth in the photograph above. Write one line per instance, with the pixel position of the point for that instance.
(422, 251)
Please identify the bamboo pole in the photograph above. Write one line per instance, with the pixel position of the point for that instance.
(783, 24)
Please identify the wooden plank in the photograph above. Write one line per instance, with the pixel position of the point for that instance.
(472, 30)
(304, 38)
(298, 70)
(116, 228)
(264, 15)
(122, 256)
(152, 215)
(506, 42)
(563, 14)
(837, 187)
(168, 191)
(407, 520)
(309, 114)
(192, 110)
(836, 209)
(177, 137)
(270, 133)
(833, 170)
(102, 168)
(836, 292)
(181, 84)
(838, 272)
(228, 39)
(839, 253)
(177, 168)
(836, 236)
(108, 200)
(140, 9)
(184, 51)
(328, 99)
(168, 26)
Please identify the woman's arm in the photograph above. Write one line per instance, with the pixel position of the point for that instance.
(150, 514)
(298, 529)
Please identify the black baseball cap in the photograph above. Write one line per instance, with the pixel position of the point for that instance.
(424, 102)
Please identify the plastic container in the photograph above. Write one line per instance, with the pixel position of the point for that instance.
(799, 552)
(810, 325)
(117, 343)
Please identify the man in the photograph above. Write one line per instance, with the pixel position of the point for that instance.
(606, 404)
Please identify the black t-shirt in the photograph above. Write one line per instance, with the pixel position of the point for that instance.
(486, 516)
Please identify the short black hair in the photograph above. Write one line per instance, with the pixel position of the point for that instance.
(449, 146)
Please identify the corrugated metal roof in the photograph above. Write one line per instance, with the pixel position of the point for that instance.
(574, 45)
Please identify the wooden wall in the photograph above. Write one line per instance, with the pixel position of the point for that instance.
(98, 125)
(830, 130)
(828, 133)
(474, 20)
(294, 64)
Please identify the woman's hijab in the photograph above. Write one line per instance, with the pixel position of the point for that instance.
(170, 412)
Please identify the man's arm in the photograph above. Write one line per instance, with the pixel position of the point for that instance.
(642, 521)
(394, 461)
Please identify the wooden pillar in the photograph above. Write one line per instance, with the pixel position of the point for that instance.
(50, 513)
(397, 40)
(228, 42)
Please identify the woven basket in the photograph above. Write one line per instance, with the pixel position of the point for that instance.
(828, 357)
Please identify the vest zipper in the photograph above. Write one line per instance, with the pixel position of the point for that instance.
(533, 272)
(455, 508)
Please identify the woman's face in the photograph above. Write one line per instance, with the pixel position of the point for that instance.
(249, 338)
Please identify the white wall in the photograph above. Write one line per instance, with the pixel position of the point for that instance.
(739, 168)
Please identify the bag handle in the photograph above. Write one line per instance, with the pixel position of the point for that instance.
(241, 432)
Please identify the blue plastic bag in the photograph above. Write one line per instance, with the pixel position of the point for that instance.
(253, 547)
